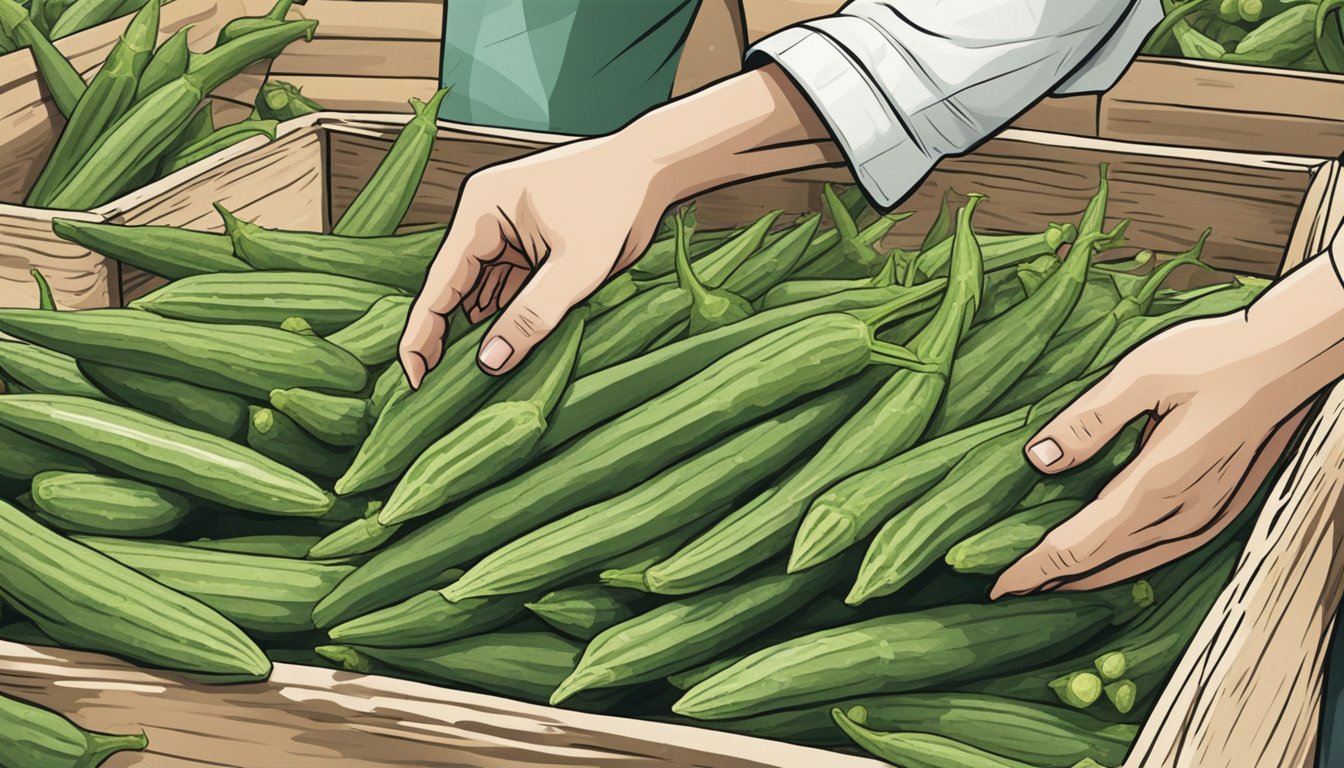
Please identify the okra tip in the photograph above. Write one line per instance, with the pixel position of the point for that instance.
(1111, 666)
(344, 655)
(824, 533)
(103, 745)
(232, 224)
(579, 680)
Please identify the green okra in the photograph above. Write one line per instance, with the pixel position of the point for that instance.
(86, 600)
(396, 260)
(334, 419)
(889, 423)
(383, 202)
(79, 502)
(819, 353)
(182, 403)
(276, 436)
(691, 490)
(164, 251)
(168, 63)
(34, 737)
(65, 84)
(202, 353)
(904, 652)
(495, 441)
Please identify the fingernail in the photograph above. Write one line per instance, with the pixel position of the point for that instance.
(1046, 452)
(496, 353)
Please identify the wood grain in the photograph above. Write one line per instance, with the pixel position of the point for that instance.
(1226, 106)
(311, 718)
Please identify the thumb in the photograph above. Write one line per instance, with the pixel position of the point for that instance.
(1083, 428)
(531, 316)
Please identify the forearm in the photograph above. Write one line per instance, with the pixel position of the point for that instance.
(753, 124)
(1296, 329)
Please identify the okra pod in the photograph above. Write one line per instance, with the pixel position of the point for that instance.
(164, 251)
(266, 298)
(34, 737)
(168, 63)
(889, 423)
(278, 100)
(218, 140)
(63, 82)
(86, 600)
(493, 442)
(411, 423)
(819, 353)
(597, 397)
(187, 405)
(383, 202)
(689, 631)
(262, 594)
(105, 100)
(202, 353)
(429, 619)
(276, 436)
(998, 546)
(155, 451)
(333, 419)
(774, 262)
(583, 612)
(922, 750)
(78, 502)
(904, 652)
(853, 508)
(396, 260)
(45, 371)
(373, 338)
(678, 496)
(525, 665)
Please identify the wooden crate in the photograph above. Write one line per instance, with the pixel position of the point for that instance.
(80, 279)
(1248, 685)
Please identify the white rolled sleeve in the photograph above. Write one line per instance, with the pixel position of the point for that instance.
(903, 83)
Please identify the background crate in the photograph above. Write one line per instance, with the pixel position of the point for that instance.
(1257, 660)
(31, 124)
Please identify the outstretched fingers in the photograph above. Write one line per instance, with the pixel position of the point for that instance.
(468, 247)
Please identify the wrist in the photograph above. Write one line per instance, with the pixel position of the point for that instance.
(1295, 330)
(754, 124)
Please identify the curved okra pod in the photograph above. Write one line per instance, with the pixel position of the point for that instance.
(889, 423)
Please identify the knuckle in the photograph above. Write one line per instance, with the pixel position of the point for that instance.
(529, 323)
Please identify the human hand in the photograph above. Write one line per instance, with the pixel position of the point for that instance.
(536, 236)
(1225, 395)
(568, 217)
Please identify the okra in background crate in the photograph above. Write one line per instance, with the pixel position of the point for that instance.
(170, 90)
(476, 533)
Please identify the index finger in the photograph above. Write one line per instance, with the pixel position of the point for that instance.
(455, 269)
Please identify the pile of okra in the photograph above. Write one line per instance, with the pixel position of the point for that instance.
(1294, 34)
(760, 482)
(145, 113)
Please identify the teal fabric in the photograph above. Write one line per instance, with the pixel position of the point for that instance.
(582, 67)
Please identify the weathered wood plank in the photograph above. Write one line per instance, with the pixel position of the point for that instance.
(305, 717)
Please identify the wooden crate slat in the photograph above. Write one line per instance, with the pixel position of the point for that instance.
(305, 717)
(367, 58)
(360, 20)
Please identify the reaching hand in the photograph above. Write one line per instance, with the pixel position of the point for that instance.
(536, 236)
(1225, 395)
(569, 218)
